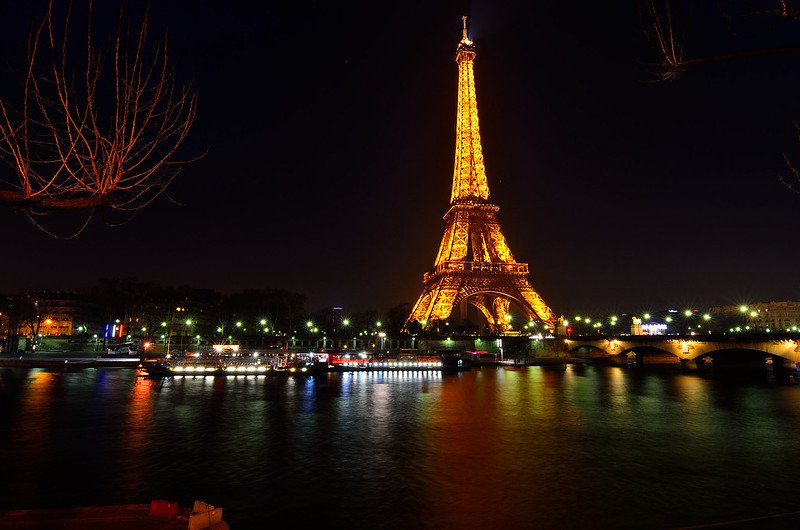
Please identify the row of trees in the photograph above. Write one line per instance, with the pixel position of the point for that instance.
(148, 311)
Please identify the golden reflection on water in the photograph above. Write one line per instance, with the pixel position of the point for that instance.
(37, 408)
(139, 414)
(480, 430)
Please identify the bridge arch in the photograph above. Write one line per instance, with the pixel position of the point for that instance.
(695, 351)
(494, 305)
(638, 353)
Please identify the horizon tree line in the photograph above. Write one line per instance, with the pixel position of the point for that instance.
(148, 310)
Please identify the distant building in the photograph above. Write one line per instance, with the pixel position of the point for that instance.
(60, 313)
(337, 317)
(775, 316)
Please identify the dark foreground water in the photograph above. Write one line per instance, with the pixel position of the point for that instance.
(534, 447)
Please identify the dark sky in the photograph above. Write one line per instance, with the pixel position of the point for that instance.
(328, 133)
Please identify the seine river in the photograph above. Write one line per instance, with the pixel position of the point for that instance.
(496, 448)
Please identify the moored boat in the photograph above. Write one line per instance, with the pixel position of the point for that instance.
(225, 365)
(203, 365)
(349, 361)
(159, 514)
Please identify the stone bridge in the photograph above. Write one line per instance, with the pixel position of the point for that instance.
(691, 352)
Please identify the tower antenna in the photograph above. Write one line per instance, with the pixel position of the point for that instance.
(464, 31)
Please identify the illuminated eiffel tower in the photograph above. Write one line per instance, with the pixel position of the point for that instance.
(474, 264)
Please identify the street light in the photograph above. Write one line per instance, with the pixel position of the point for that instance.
(264, 330)
(186, 330)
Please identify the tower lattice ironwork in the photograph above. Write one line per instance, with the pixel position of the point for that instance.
(474, 263)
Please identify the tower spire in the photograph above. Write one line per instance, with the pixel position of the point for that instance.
(469, 175)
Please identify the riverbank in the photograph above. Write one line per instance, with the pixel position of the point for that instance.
(77, 360)
(68, 360)
(533, 361)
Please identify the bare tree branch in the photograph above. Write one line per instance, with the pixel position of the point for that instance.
(672, 62)
(85, 136)
(670, 44)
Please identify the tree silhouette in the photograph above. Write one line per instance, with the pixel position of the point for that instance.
(95, 126)
(668, 20)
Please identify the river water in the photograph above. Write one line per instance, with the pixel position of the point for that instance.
(499, 447)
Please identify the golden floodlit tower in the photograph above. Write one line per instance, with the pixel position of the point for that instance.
(474, 264)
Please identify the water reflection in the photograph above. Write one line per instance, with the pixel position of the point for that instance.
(568, 446)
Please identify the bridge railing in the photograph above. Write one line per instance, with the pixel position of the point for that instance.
(699, 337)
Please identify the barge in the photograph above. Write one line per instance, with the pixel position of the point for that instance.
(299, 364)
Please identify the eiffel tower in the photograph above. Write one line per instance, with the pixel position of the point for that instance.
(474, 264)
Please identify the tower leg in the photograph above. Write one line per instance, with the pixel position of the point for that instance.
(500, 311)
(480, 302)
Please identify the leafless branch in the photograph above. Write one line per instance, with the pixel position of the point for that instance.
(670, 45)
(86, 136)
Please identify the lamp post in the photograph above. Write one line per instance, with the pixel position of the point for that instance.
(186, 330)
(166, 329)
(345, 331)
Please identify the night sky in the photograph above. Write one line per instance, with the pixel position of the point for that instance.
(327, 135)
